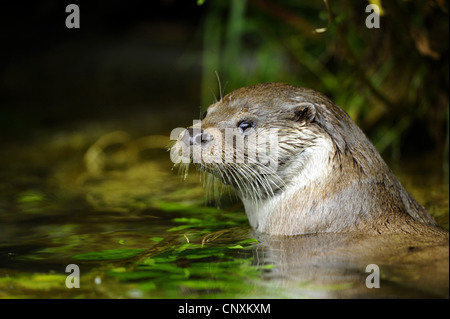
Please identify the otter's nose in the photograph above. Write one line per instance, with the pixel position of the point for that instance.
(197, 137)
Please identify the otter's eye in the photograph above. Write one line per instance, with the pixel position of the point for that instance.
(204, 114)
(245, 126)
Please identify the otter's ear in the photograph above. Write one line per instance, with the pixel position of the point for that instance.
(303, 112)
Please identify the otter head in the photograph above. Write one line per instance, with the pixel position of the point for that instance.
(260, 139)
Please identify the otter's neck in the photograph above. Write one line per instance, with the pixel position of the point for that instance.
(332, 192)
(287, 212)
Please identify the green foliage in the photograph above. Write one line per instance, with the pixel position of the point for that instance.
(208, 223)
(156, 239)
(392, 80)
(205, 255)
(191, 269)
(110, 254)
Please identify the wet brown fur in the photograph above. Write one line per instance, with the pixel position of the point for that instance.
(358, 194)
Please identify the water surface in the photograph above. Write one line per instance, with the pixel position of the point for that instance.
(109, 202)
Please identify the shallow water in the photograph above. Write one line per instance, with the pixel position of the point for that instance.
(110, 203)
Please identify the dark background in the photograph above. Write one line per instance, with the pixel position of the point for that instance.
(151, 64)
(126, 58)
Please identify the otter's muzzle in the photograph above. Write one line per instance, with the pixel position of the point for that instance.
(196, 137)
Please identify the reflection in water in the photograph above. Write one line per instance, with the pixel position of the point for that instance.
(334, 265)
(110, 191)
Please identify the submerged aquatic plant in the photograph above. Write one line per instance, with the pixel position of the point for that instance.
(176, 268)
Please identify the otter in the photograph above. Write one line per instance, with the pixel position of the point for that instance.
(326, 176)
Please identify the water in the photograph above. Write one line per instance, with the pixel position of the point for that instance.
(110, 203)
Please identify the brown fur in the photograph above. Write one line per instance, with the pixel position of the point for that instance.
(353, 191)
